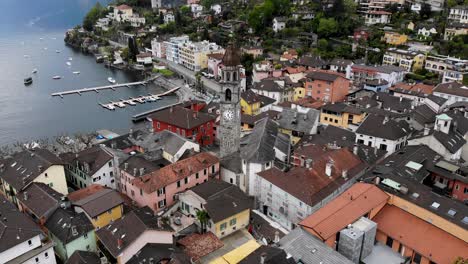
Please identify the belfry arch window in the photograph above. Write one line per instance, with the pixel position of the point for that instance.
(228, 95)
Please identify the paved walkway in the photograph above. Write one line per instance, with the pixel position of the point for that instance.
(179, 69)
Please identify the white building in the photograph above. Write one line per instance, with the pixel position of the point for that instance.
(383, 133)
(216, 9)
(144, 58)
(451, 69)
(443, 139)
(193, 55)
(96, 165)
(122, 12)
(270, 88)
(196, 9)
(288, 197)
(459, 14)
(452, 91)
(158, 48)
(172, 47)
(377, 17)
(22, 241)
(169, 17)
(279, 23)
(436, 5)
(265, 146)
(426, 32)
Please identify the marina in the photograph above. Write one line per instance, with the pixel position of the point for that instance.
(141, 99)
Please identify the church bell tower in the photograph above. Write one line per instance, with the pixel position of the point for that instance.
(229, 130)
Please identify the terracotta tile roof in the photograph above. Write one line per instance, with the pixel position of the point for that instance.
(426, 239)
(200, 245)
(123, 7)
(312, 185)
(216, 56)
(182, 117)
(415, 88)
(345, 209)
(83, 193)
(452, 88)
(309, 102)
(174, 172)
(293, 70)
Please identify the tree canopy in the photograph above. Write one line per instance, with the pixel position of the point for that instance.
(92, 16)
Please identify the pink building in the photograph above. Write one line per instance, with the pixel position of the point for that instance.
(157, 189)
(214, 60)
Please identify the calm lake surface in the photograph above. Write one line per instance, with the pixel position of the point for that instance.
(36, 28)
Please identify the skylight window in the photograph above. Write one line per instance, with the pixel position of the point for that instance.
(435, 205)
(452, 212)
(465, 220)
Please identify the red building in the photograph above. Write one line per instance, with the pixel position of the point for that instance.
(450, 179)
(187, 122)
(326, 86)
(361, 33)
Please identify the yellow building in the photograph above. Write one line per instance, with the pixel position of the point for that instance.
(226, 207)
(29, 166)
(341, 115)
(395, 38)
(253, 103)
(101, 205)
(299, 93)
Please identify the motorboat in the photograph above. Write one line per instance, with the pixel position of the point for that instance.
(57, 77)
(111, 80)
(26, 56)
(140, 100)
(28, 80)
(109, 106)
(151, 98)
(70, 59)
(57, 51)
(120, 104)
(130, 102)
(76, 72)
(34, 71)
(68, 63)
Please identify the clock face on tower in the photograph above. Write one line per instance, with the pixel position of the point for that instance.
(229, 114)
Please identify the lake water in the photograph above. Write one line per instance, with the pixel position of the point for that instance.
(35, 28)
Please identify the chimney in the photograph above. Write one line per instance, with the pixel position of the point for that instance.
(328, 168)
(385, 119)
(119, 243)
(355, 149)
(426, 130)
(135, 170)
(39, 168)
(308, 163)
(25, 194)
(263, 257)
(158, 222)
(344, 174)
(74, 231)
(277, 238)
(401, 98)
(125, 165)
(142, 171)
(113, 145)
(171, 109)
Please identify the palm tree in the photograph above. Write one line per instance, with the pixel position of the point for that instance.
(203, 218)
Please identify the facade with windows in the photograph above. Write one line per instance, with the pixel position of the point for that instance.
(96, 165)
(158, 189)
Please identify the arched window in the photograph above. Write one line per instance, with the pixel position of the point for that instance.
(235, 77)
(228, 95)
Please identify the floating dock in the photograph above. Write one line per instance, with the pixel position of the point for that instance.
(105, 87)
(141, 99)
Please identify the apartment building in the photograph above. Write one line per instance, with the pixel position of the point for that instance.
(409, 60)
(459, 14)
(451, 69)
(193, 55)
(172, 47)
